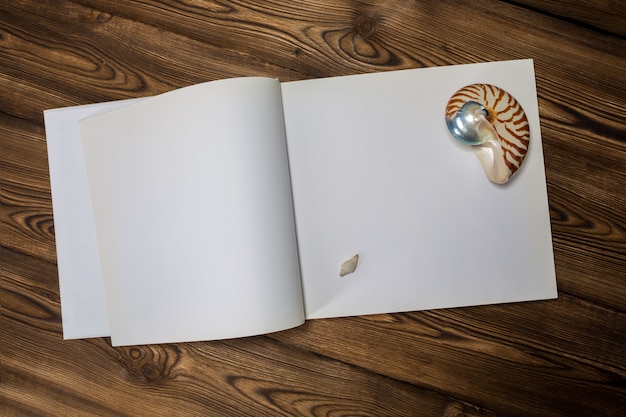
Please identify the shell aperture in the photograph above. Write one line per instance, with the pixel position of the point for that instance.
(493, 122)
(470, 125)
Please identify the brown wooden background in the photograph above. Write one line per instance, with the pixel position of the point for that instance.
(552, 358)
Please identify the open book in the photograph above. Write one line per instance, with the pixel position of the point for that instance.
(226, 209)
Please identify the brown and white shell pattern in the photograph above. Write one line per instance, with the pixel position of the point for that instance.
(494, 123)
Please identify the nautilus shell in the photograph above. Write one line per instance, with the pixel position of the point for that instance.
(494, 124)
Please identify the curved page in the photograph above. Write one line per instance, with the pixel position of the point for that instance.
(193, 214)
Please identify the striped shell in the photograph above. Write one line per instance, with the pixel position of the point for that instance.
(494, 124)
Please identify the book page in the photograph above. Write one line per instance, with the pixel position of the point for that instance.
(193, 213)
(81, 288)
(376, 172)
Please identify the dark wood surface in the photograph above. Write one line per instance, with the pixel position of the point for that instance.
(565, 357)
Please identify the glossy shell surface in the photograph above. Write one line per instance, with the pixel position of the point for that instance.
(493, 122)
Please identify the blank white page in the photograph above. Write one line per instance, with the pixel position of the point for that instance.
(376, 172)
(83, 306)
(193, 212)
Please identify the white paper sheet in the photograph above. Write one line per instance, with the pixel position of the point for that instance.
(193, 212)
(83, 307)
(375, 172)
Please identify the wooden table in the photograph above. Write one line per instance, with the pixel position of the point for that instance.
(565, 357)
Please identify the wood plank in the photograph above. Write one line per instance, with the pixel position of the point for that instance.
(63, 58)
(48, 376)
(587, 212)
(594, 56)
(30, 292)
(545, 365)
(606, 15)
(26, 206)
(583, 57)
(361, 36)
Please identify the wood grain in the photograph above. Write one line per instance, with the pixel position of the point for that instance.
(554, 358)
(243, 377)
(609, 16)
(420, 347)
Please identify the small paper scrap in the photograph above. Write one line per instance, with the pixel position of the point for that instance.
(349, 266)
